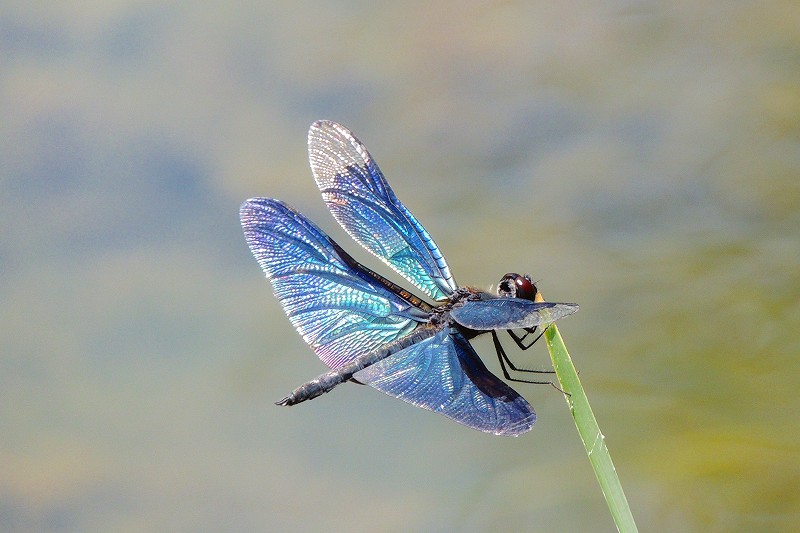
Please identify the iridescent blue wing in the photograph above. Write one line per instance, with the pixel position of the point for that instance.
(361, 200)
(509, 313)
(340, 311)
(444, 374)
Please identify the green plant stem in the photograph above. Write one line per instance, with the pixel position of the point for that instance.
(593, 439)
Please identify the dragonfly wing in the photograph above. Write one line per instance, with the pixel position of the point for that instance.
(509, 313)
(361, 200)
(339, 311)
(444, 374)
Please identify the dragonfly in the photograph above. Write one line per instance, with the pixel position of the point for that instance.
(369, 330)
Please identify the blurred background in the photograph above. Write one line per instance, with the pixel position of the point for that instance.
(639, 158)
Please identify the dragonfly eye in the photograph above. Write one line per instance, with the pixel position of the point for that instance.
(515, 286)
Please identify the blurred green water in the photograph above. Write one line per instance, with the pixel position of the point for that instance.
(639, 159)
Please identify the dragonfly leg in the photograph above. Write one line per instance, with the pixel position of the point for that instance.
(519, 339)
(503, 358)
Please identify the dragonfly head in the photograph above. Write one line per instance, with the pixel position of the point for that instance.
(513, 285)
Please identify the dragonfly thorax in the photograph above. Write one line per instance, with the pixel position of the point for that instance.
(440, 316)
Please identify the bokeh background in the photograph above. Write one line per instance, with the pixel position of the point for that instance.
(640, 158)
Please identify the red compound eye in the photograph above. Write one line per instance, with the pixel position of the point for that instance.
(515, 286)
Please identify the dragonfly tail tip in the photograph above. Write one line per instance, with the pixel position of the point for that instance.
(285, 401)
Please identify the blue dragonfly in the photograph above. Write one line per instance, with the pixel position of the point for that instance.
(369, 330)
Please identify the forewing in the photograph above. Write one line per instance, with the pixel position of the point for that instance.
(361, 200)
(444, 374)
(509, 313)
(339, 311)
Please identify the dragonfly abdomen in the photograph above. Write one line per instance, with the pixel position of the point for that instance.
(327, 381)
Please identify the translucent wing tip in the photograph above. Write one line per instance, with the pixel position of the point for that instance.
(246, 211)
(322, 124)
(518, 429)
(556, 311)
(255, 210)
(247, 206)
(562, 309)
(320, 127)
